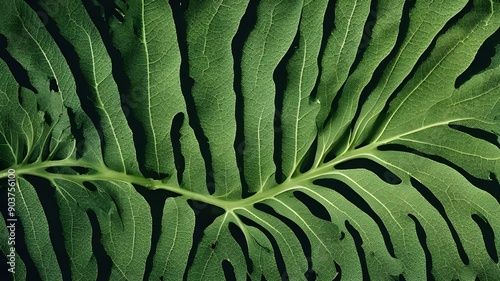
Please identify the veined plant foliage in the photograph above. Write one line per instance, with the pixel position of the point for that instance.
(251, 140)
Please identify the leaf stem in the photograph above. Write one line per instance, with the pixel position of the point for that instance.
(103, 173)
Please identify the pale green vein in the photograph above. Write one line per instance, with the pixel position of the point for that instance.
(273, 228)
(98, 96)
(306, 224)
(7, 143)
(345, 36)
(391, 72)
(213, 252)
(369, 194)
(41, 50)
(428, 74)
(299, 100)
(412, 174)
(167, 260)
(478, 96)
(32, 226)
(258, 150)
(451, 149)
(148, 79)
(102, 107)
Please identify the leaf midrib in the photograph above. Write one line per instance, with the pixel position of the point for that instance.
(104, 173)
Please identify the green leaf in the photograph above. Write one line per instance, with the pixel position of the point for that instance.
(36, 231)
(175, 243)
(250, 140)
(266, 45)
(210, 27)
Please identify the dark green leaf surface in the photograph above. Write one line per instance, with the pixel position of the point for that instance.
(251, 140)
